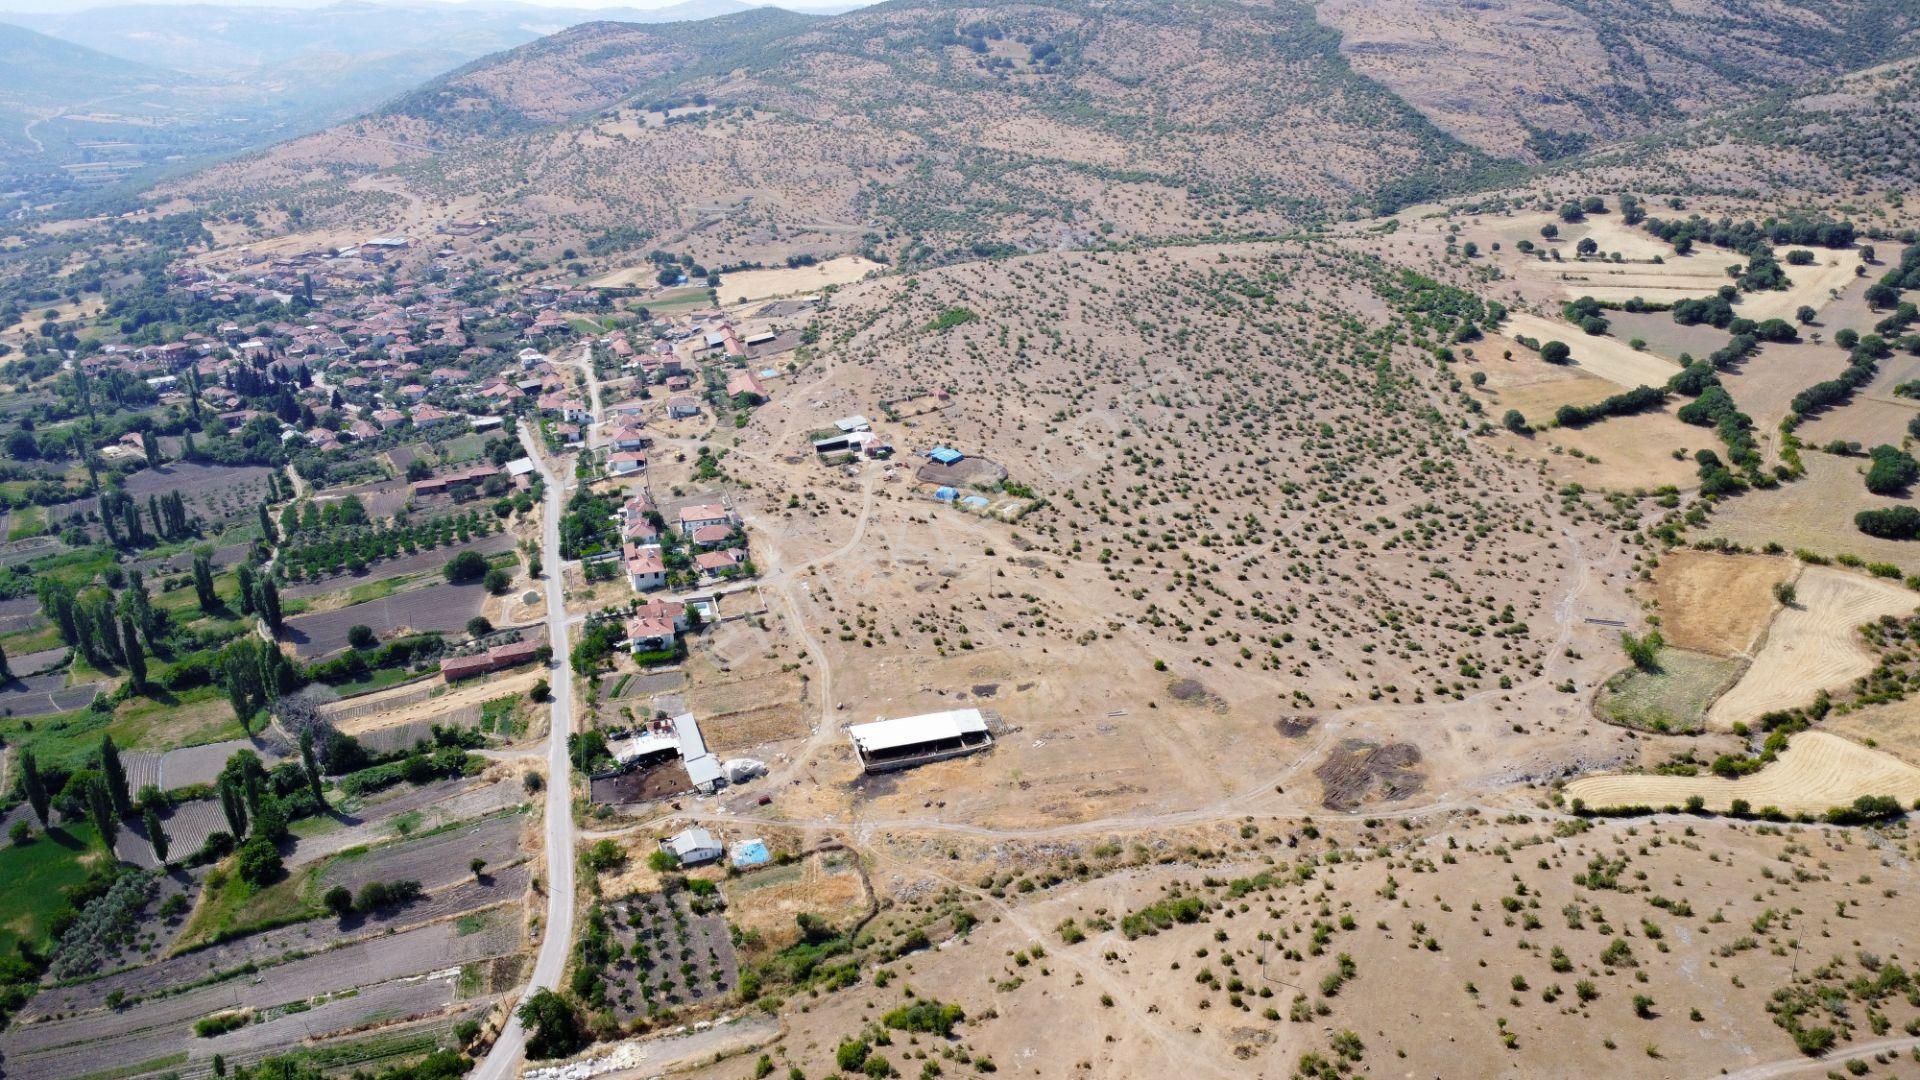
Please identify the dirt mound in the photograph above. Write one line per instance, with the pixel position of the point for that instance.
(967, 472)
(1359, 771)
(1293, 727)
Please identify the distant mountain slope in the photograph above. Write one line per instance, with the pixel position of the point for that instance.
(1545, 78)
(37, 70)
(953, 125)
(1849, 140)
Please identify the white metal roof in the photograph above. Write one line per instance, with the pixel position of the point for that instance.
(644, 745)
(692, 841)
(852, 423)
(912, 730)
(704, 770)
(692, 743)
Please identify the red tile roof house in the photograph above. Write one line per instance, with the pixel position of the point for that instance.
(627, 435)
(710, 535)
(746, 382)
(697, 516)
(646, 634)
(672, 611)
(646, 567)
(626, 462)
(719, 563)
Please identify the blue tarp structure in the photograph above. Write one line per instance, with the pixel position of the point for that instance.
(974, 502)
(946, 456)
(751, 853)
(946, 494)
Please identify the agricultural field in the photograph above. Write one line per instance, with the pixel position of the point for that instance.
(1815, 773)
(1674, 697)
(1717, 603)
(1813, 644)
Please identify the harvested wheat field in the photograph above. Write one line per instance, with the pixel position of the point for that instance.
(1609, 358)
(1811, 645)
(1530, 384)
(1716, 603)
(1817, 771)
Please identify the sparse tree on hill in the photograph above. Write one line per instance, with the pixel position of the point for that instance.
(1555, 352)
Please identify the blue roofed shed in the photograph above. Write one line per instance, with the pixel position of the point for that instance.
(946, 494)
(945, 455)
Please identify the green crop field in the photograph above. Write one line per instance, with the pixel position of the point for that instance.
(37, 875)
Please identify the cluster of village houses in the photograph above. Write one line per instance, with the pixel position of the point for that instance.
(367, 352)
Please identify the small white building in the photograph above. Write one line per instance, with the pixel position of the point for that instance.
(693, 846)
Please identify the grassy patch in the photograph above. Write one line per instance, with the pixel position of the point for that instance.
(36, 876)
(60, 739)
(141, 1069)
(229, 907)
(1673, 699)
(379, 679)
(190, 718)
(32, 641)
(377, 589)
(26, 522)
(470, 924)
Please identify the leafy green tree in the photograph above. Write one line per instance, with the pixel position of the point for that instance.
(6, 670)
(310, 766)
(136, 658)
(268, 602)
(1643, 650)
(1556, 352)
(468, 566)
(259, 862)
(100, 809)
(115, 775)
(36, 786)
(554, 1028)
(203, 590)
(339, 900)
(156, 834)
(1515, 422)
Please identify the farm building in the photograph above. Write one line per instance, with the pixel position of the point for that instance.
(702, 767)
(851, 424)
(693, 846)
(945, 455)
(886, 745)
(498, 658)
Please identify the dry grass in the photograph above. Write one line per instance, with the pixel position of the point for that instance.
(1715, 603)
(1607, 357)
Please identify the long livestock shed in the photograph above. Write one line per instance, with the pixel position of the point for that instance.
(886, 745)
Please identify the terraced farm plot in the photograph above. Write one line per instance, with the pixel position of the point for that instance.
(1674, 699)
(1715, 603)
(1876, 414)
(1816, 772)
(432, 859)
(1812, 645)
(443, 607)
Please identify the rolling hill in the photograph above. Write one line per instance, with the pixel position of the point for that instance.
(933, 130)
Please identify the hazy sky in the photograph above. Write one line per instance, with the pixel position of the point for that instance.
(81, 5)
